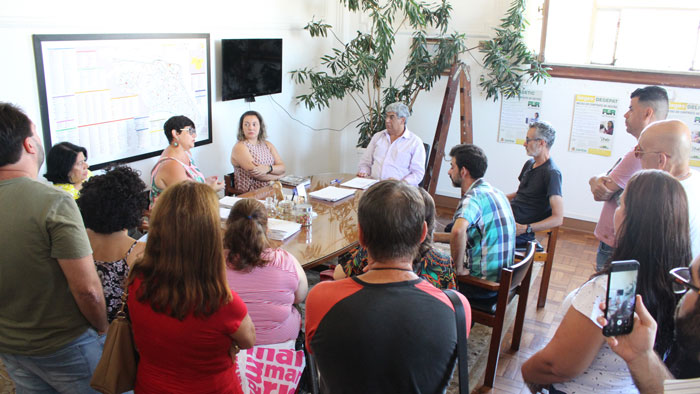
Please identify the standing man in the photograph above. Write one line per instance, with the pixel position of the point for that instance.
(396, 330)
(484, 227)
(52, 308)
(394, 153)
(647, 105)
(665, 145)
(538, 204)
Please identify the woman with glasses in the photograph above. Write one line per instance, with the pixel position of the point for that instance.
(176, 163)
(67, 168)
(255, 160)
(186, 321)
(651, 226)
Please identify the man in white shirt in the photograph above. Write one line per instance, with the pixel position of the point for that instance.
(665, 145)
(394, 153)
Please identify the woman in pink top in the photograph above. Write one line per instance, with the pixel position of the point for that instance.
(254, 159)
(270, 281)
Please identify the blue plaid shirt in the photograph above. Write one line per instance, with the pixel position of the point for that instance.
(491, 231)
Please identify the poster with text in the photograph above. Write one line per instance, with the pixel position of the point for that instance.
(517, 114)
(690, 114)
(593, 126)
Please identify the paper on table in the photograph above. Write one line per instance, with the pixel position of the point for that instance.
(360, 183)
(228, 201)
(281, 229)
(332, 193)
(223, 213)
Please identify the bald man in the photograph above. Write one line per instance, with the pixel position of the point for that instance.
(665, 145)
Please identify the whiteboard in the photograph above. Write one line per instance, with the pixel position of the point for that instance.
(112, 93)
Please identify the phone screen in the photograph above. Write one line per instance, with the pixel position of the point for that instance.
(622, 287)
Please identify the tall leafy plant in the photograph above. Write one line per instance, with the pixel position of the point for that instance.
(508, 63)
(358, 69)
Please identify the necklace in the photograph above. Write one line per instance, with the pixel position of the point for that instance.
(391, 268)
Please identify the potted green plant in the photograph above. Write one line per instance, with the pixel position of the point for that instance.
(358, 69)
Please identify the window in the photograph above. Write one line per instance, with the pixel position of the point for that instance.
(661, 36)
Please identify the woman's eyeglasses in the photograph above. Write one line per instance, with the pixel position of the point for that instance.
(191, 130)
(682, 280)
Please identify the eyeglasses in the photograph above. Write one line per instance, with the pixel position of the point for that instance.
(191, 130)
(681, 280)
(638, 152)
(527, 140)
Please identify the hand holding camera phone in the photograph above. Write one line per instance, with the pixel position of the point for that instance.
(620, 300)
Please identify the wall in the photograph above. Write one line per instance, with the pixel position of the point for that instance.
(306, 151)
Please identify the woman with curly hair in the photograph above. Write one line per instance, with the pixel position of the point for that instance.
(111, 204)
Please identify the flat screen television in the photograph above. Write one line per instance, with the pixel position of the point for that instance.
(251, 67)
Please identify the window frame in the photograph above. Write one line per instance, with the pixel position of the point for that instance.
(612, 74)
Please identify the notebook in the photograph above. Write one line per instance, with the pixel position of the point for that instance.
(360, 183)
(332, 193)
(280, 230)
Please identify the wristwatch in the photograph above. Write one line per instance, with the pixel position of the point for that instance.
(270, 170)
(529, 229)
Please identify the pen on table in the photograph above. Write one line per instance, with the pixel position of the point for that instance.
(336, 181)
(294, 194)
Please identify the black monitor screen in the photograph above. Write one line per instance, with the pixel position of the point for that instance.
(251, 67)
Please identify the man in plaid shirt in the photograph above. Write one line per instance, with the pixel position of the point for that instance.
(482, 239)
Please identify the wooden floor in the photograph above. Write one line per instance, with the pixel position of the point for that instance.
(574, 263)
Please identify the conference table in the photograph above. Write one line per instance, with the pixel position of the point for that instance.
(332, 233)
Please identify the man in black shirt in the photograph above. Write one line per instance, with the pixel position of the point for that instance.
(538, 203)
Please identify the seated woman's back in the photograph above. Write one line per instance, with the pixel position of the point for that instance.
(270, 281)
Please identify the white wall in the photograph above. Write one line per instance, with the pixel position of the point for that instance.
(306, 151)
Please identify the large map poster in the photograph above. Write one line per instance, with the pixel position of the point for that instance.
(112, 93)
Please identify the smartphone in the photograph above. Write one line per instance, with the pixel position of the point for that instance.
(620, 300)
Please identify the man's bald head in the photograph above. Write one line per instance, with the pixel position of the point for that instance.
(665, 145)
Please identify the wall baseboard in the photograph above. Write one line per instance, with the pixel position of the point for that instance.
(445, 204)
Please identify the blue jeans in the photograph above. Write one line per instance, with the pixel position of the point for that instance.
(605, 252)
(68, 370)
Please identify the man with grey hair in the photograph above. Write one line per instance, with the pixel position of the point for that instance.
(538, 204)
(394, 153)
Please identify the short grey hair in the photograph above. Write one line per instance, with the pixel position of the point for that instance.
(399, 108)
(545, 131)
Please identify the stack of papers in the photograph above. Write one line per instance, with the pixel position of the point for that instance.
(229, 201)
(294, 180)
(360, 183)
(280, 230)
(223, 212)
(332, 193)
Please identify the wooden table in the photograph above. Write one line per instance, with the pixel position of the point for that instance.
(332, 233)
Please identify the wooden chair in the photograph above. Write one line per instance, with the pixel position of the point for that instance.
(230, 186)
(547, 256)
(492, 311)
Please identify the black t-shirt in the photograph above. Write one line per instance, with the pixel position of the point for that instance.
(537, 185)
(382, 338)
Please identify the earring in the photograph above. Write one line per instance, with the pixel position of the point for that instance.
(175, 144)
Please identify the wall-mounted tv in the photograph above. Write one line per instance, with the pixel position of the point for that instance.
(251, 67)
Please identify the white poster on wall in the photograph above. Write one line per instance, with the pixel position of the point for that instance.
(690, 114)
(593, 124)
(517, 114)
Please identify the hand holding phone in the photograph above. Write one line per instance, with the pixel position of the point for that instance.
(620, 300)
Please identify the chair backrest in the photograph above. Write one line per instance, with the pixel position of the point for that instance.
(520, 269)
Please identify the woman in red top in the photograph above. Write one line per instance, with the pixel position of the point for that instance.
(187, 323)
